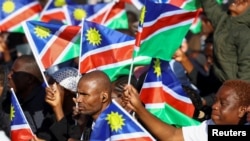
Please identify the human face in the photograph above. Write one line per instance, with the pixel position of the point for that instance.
(89, 98)
(18, 78)
(238, 7)
(227, 109)
(209, 54)
(117, 97)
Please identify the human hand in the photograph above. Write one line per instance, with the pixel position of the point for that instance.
(179, 55)
(76, 111)
(131, 98)
(53, 96)
(3, 46)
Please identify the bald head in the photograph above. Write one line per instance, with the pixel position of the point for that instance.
(98, 78)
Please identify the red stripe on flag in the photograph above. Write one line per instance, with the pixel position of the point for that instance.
(20, 17)
(59, 15)
(57, 47)
(117, 8)
(166, 21)
(106, 57)
(99, 18)
(21, 135)
(127, 1)
(158, 95)
(177, 3)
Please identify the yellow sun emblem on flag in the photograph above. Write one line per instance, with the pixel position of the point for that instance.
(12, 112)
(157, 67)
(93, 36)
(115, 121)
(42, 32)
(59, 3)
(142, 15)
(79, 14)
(8, 6)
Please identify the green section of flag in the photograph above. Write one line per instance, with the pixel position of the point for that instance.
(73, 52)
(123, 69)
(170, 115)
(18, 29)
(164, 44)
(119, 22)
(220, 1)
(192, 5)
(196, 27)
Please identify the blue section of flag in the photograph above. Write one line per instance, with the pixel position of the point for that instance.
(103, 130)
(107, 36)
(167, 76)
(52, 4)
(17, 113)
(160, 1)
(153, 14)
(41, 41)
(15, 4)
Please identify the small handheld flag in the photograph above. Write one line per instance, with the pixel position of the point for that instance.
(164, 96)
(14, 12)
(20, 129)
(117, 124)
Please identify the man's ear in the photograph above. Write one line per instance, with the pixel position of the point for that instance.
(104, 96)
(242, 111)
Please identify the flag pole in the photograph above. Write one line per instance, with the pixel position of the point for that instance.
(137, 41)
(35, 53)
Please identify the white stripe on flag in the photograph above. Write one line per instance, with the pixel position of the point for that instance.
(21, 126)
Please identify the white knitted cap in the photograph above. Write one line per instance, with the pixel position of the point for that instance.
(67, 77)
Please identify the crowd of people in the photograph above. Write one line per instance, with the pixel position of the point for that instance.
(212, 66)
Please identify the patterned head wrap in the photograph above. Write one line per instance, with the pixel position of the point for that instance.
(67, 77)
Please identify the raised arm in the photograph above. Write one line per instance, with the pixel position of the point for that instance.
(159, 129)
(213, 10)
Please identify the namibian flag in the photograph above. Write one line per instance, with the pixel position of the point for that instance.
(190, 5)
(53, 10)
(112, 14)
(14, 12)
(20, 129)
(52, 44)
(164, 27)
(108, 50)
(184, 4)
(164, 97)
(75, 14)
(114, 123)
